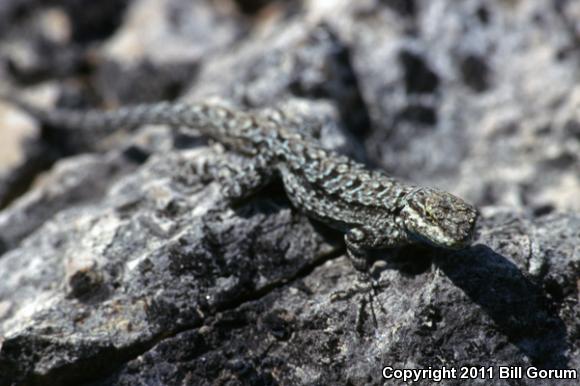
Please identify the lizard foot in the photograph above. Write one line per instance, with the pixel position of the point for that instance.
(368, 289)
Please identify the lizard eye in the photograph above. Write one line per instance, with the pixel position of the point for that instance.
(430, 215)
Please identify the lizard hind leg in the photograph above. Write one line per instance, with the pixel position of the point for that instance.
(240, 183)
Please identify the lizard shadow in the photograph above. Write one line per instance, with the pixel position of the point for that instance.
(518, 306)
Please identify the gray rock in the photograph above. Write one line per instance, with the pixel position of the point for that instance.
(124, 267)
(453, 88)
(22, 154)
(148, 259)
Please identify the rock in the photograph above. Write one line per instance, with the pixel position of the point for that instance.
(148, 262)
(454, 88)
(22, 153)
(123, 266)
(250, 292)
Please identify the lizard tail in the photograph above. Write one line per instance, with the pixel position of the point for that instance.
(109, 121)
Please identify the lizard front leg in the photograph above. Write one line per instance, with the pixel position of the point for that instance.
(360, 239)
(357, 245)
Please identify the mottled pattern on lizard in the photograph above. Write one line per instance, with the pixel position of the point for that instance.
(374, 210)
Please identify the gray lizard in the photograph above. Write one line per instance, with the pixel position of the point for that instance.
(374, 210)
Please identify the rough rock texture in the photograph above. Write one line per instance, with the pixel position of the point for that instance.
(120, 265)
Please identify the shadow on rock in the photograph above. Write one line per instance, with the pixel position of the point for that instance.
(517, 305)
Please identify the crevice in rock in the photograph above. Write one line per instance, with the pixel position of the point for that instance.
(83, 370)
(407, 8)
(475, 72)
(573, 47)
(418, 113)
(483, 14)
(100, 366)
(338, 82)
(419, 78)
(253, 7)
(93, 20)
(37, 161)
(274, 285)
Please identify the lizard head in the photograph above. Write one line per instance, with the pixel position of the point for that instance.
(438, 218)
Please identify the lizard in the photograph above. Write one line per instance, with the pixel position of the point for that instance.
(371, 208)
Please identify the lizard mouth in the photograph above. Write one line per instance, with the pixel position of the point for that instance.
(453, 244)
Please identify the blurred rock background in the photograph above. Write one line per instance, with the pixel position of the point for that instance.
(117, 268)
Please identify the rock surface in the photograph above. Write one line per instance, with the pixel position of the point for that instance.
(120, 265)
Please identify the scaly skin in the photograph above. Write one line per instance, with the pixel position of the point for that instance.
(371, 208)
